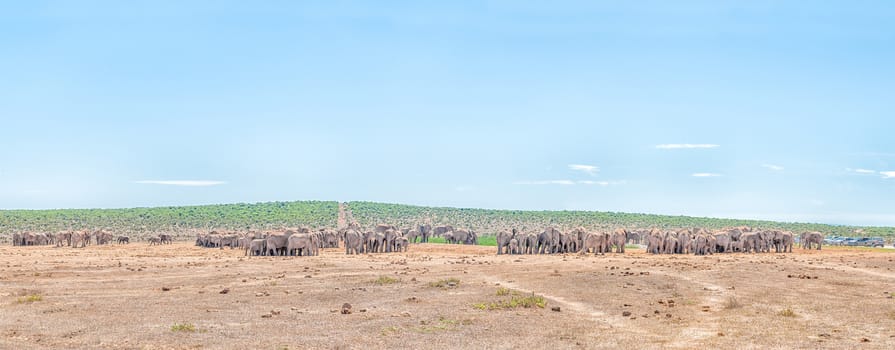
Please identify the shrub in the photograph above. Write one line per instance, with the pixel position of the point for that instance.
(183, 327)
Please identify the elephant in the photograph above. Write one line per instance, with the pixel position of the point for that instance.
(440, 230)
(548, 241)
(711, 243)
(383, 227)
(301, 244)
(514, 246)
(354, 242)
(79, 238)
(124, 240)
(460, 236)
(736, 246)
(425, 232)
(655, 242)
(619, 238)
(722, 242)
(783, 241)
(165, 239)
(809, 239)
(276, 243)
(568, 243)
(671, 244)
(528, 242)
(256, 247)
(63, 238)
(390, 236)
(412, 236)
(401, 244)
(700, 244)
(17, 239)
(154, 241)
(473, 238)
(503, 241)
(595, 242)
(751, 242)
(448, 237)
(331, 239)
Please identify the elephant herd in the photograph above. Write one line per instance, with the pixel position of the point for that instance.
(697, 241)
(700, 241)
(76, 239)
(554, 241)
(450, 235)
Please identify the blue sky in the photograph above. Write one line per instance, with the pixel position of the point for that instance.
(761, 109)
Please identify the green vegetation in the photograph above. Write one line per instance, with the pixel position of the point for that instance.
(30, 299)
(182, 221)
(141, 222)
(384, 280)
(516, 300)
(183, 327)
(446, 283)
(487, 222)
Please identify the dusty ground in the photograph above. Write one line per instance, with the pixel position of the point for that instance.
(131, 296)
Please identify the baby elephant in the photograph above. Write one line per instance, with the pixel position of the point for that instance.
(154, 241)
(401, 244)
(124, 240)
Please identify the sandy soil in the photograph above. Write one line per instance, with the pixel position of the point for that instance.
(130, 297)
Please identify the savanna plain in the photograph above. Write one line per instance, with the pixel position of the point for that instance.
(180, 296)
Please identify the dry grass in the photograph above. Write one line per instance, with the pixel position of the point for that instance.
(787, 312)
(446, 283)
(384, 280)
(731, 303)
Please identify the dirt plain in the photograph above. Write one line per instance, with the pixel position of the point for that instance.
(184, 297)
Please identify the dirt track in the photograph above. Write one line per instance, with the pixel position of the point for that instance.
(131, 296)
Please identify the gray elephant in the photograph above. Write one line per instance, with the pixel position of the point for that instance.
(810, 239)
(514, 246)
(549, 241)
(783, 241)
(440, 230)
(460, 237)
(123, 240)
(412, 236)
(722, 242)
(390, 237)
(751, 242)
(401, 244)
(619, 238)
(277, 242)
(301, 244)
(503, 241)
(595, 242)
(256, 247)
(154, 241)
(529, 242)
(354, 242)
(425, 232)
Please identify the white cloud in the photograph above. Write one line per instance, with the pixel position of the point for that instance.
(865, 171)
(589, 169)
(686, 145)
(545, 182)
(602, 183)
(192, 183)
(772, 167)
(887, 174)
(705, 175)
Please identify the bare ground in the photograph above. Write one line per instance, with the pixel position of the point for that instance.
(134, 296)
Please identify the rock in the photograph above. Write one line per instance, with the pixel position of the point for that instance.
(626, 313)
(346, 309)
(267, 315)
(406, 314)
(165, 289)
(275, 312)
(225, 291)
(556, 308)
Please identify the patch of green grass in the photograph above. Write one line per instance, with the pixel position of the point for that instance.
(384, 280)
(446, 283)
(183, 327)
(503, 291)
(30, 298)
(632, 246)
(488, 241)
(787, 312)
(515, 301)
